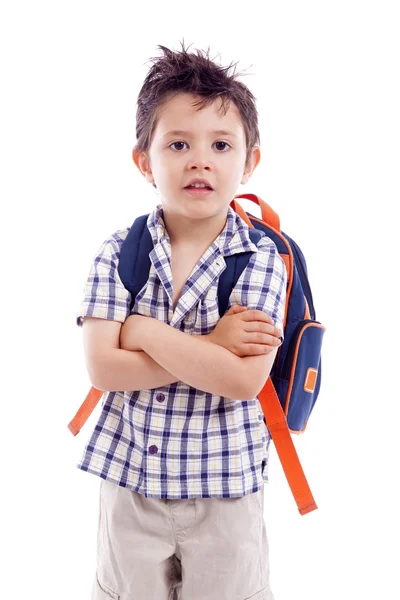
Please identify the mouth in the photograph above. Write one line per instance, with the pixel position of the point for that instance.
(198, 192)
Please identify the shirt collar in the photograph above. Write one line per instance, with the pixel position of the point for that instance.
(234, 238)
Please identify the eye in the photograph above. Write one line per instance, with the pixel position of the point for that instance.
(177, 143)
(228, 146)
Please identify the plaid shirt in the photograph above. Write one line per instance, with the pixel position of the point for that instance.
(176, 441)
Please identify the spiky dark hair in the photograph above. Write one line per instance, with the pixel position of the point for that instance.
(195, 73)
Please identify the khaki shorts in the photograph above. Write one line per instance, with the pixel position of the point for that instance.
(194, 549)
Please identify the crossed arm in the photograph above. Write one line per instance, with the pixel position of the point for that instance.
(153, 354)
(192, 359)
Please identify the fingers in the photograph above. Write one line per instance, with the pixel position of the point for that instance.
(236, 308)
(255, 349)
(262, 338)
(259, 326)
(257, 315)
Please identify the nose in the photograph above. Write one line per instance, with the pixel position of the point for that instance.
(200, 160)
(199, 165)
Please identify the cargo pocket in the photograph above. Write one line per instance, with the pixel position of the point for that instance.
(300, 379)
(102, 592)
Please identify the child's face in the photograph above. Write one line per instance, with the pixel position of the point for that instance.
(201, 153)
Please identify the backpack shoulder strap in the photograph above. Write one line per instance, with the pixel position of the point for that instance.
(134, 260)
(235, 265)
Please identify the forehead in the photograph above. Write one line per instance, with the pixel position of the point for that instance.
(178, 113)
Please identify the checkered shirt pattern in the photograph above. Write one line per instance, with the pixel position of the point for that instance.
(176, 441)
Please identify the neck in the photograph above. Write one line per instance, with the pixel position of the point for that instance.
(195, 233)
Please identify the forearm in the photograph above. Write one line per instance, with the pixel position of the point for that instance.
(198, 362)
(122, 370)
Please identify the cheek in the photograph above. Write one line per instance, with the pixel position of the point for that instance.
(161, 170)
(166, 164)
(233, 175)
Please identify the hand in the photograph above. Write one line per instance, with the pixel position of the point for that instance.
(129, 336)
(246, 332)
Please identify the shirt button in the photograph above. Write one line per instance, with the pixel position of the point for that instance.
(153, 449)
(160, 397)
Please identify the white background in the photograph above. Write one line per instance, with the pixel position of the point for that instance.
(326, 78)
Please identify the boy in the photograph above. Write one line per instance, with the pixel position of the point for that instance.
(183, 454)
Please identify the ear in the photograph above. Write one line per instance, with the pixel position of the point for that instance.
(252, 164)
(142, 162)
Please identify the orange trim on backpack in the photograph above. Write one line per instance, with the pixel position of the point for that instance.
(300, 432)
(310, 380)
(286, 260)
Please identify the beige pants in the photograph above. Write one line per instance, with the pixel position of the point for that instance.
(195, 549)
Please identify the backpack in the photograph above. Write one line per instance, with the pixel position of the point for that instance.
(291, 390)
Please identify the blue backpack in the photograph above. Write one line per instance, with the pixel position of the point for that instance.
(292, 388)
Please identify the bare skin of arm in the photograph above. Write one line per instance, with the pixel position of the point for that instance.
(251, 335)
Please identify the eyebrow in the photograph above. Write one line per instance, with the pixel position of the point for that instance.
(215, 132)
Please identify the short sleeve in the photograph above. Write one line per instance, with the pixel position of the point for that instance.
(262, 285)
(105, 296)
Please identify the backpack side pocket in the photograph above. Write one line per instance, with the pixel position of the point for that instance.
(301, 373)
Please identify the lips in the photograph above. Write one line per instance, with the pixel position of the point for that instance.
(198, 192)
(197, 180)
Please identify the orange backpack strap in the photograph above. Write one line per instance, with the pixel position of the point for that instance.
(278, 428)
(268, 215)
(86, 409)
